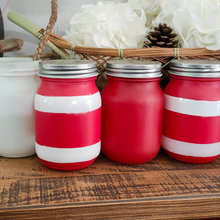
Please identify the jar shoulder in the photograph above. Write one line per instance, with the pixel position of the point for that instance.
(136, 93)
(67, 88)
(200, 89)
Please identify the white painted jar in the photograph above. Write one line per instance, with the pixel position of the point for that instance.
(18, 85)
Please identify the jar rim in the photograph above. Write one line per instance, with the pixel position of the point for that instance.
(67, 68)
(195, 68)
(129, 68)
(18, 67)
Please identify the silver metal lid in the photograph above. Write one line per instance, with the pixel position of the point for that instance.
(133, 68)
(195, 68)
(67, 68)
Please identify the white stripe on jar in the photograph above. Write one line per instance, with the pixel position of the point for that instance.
(68, 104)
(192, 107)
(190, 149)
(68, 155)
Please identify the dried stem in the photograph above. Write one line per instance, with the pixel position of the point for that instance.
(46, 56)
(4, 9)
(52, 21)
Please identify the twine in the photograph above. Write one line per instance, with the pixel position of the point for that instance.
(39, 35)
(120, 53)
(175, 56)
(73, 49)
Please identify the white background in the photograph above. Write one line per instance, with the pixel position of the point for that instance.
(38, 12)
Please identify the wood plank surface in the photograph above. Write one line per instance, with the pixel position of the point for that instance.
(161, 189)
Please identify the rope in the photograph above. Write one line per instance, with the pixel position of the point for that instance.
(175, 56)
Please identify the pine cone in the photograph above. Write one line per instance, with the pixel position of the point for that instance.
(162, 36)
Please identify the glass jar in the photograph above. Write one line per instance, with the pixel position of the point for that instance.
(68, 114)
(132, 106)
(191, 126)
(18, 84)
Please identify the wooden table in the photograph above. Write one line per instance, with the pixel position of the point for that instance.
(161, 189)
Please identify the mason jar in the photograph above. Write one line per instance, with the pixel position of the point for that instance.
(132, 107)
(191, 125)
(18, 84)
(68, 114)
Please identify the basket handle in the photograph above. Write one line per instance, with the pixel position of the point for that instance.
(34, 30)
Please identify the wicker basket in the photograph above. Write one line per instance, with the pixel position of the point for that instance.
(102, 55)
(163, 55)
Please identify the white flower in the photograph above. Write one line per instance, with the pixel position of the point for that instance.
(107, 25)
(116, 1)
(151, 8)
(197, 22)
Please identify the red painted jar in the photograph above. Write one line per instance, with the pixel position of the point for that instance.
(132, 106)
(191, 126)
(68, 114)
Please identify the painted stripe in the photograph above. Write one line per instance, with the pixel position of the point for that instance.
(192, 107)
(189, 149)
(68, 104)
(68, 155)
(72, 130)
(192, 129)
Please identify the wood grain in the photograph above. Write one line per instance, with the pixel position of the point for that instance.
(161, 189)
